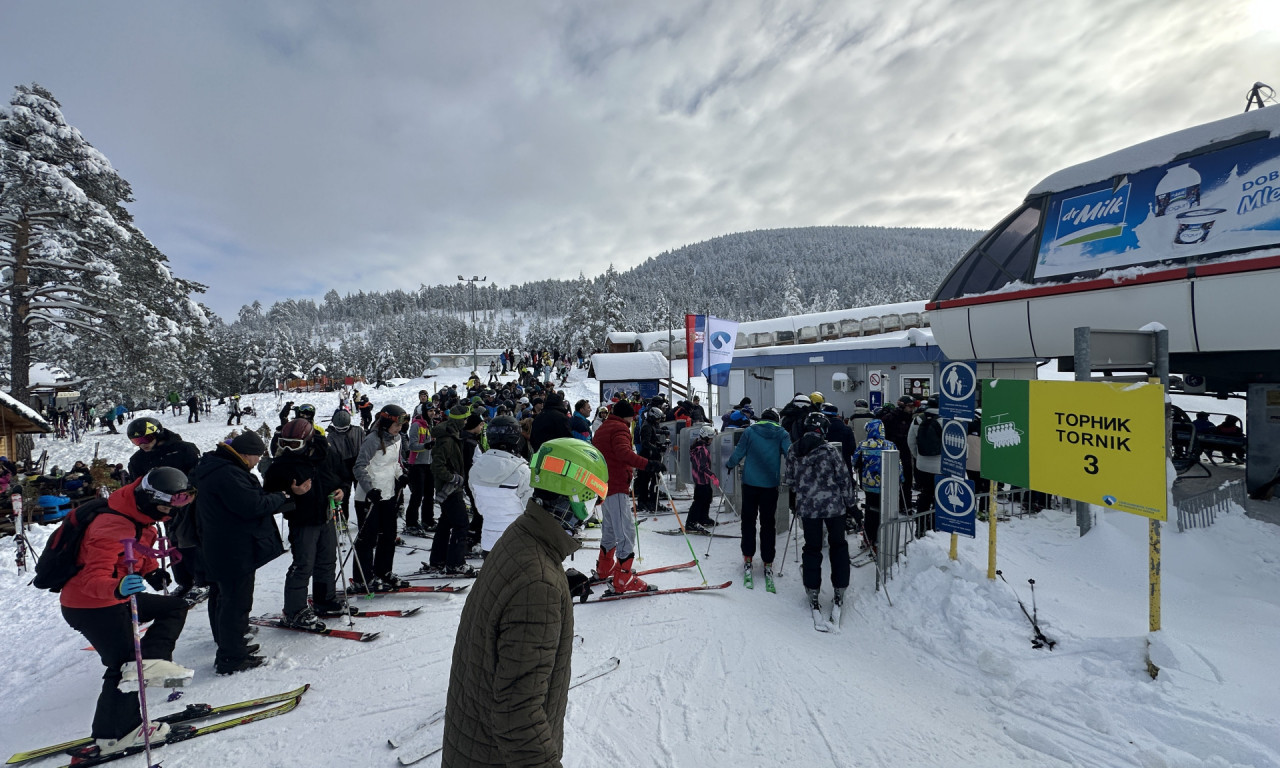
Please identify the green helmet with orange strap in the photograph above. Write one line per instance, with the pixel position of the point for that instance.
(572, 468)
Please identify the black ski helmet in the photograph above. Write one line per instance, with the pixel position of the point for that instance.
(817, 422)
(162, 486)
(503, 433)
(305, 411)
(390, 414)
(146, 427)
(341, 418)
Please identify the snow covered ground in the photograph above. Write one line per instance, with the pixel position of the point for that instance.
(946, 676)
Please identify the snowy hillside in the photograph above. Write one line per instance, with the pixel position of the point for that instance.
(946, 676)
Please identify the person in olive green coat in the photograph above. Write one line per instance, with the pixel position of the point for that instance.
(509, 685)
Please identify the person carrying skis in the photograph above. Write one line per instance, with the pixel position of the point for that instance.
(499, 480)
(238, 536)
(95, 603)
(379, 479)
(703, 477)
(158, 447)
(422, 487)
(824, 490)
(618, 532)
(509, 681)
(302, 470)
(760, 451)
(449, 468)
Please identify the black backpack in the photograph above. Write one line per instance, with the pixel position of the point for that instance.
(57, 564)
(929, 436)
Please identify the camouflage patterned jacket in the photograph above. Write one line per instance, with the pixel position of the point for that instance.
(816, 472)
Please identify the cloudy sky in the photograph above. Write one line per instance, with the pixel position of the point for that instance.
(279, 149)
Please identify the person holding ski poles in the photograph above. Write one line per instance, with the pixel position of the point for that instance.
(618, 531)
(760, 451)
(95, 602)
(379, 479)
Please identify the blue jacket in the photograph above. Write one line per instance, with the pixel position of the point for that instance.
(760, 452)
(867, 459)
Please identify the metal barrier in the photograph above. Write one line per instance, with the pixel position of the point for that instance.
(1201, 510)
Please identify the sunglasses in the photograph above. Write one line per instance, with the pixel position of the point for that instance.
(143, 440)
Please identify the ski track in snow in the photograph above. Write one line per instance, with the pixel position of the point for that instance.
(738, 677)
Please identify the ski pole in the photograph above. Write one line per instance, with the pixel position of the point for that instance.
(129, 561)
(1039, 640)
(719, 509)
(671, 502)
(636, 517)
(162, 544)
(782, 564)
(337, 540)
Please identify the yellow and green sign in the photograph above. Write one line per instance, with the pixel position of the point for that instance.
(1099, 442)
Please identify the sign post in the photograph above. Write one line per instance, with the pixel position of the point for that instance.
(954, 495)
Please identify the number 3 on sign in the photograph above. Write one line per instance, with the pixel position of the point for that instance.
(1091, 464)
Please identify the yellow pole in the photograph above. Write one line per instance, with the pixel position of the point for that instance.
(1153, 576)
(954, 538)
(991, 526)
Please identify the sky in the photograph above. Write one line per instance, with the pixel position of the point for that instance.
(284, 149)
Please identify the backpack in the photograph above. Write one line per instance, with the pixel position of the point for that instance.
(57, 564)
(929, 436)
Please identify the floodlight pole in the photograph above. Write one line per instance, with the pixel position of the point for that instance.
(475, 336)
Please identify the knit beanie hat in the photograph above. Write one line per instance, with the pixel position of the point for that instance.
(248, 443)
(459, 411)
(623, 410)
(473, 421)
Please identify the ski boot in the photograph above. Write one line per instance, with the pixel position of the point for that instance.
(332, 609)
(463, 571)
(747, 580)
(132, 739)
(625, 580)
(160, 672)
(305, 619)
(606, 565)
(415, 530)
(768, 579)
(391, 582)
(837, 607)
(252, 661)
(815, 608)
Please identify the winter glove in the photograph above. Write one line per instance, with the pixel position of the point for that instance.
(449, 488)
(374, 496)
(401, 482)
(655, 466)
(854, 514)
(130, 585)
(579, 584)
(158, 579)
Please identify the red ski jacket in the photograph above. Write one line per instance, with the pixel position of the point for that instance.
(102, 554)
(613, 440)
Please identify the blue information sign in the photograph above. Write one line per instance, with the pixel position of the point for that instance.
(876, 399)
(955, 446)
(956, 503)
(957, 391)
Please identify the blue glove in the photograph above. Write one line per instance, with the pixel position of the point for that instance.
(131, 585)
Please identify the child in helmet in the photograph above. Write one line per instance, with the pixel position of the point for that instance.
(499, 480)
(703, 477)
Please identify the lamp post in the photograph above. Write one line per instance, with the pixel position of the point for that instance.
(475, 337)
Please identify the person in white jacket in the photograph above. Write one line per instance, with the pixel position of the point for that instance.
(379, 479)
(499, 481)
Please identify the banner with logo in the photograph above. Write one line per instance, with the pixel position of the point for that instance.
(721, 335)
(694, 338)
(1227, 200)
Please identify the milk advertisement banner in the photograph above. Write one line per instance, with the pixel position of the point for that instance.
(1223, 201)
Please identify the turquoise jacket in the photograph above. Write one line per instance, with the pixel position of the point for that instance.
(760, 451)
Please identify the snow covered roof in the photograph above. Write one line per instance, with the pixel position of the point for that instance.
(622, 337)
(1160, 150)
(630, 366)
(45, 376)
(8, 401)
(796, 322)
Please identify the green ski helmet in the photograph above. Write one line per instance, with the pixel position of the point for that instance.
(571, 468)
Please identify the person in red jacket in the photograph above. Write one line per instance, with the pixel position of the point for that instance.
(95, 602)
(618, 534)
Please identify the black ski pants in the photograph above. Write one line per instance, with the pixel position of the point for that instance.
(376, 542)
(700, 510)
(871, 519)
(647, 490)
(924, 501)
(315, 558)
(764, 502)
(230, 602)
(110, 631)
(811, 555)
(449, 548)
(422, 496)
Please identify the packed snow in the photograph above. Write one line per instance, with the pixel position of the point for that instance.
(946, 676)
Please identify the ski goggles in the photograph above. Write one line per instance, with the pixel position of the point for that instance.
(290, 443)
(143, 439)
(180, 499)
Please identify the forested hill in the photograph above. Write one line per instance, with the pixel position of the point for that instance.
(743, 276)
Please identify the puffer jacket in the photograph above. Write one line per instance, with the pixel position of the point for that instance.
(312, 463)
(509, 684)
(816, 473)
(238, 531)
(418, 436)
(613, 440)
(866, 461)
(760, 451)
(700, 463)
(447, 458)
(378, 464)
(170, 451)
(500, 485)
(102, 555)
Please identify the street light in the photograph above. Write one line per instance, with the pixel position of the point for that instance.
(475, 337)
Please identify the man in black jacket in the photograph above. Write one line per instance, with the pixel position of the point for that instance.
(238, 536)
(897, 423)
(158, 447)
(303, 471)
(551, 423)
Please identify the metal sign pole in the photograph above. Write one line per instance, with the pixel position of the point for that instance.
(1084, 372)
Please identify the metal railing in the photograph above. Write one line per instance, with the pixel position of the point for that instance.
(1202, 509)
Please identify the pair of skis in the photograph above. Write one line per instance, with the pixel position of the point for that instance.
(422, 741)
(277, 621)
(283, 702)
(748, 581)
(597, 581)
(829, 623)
